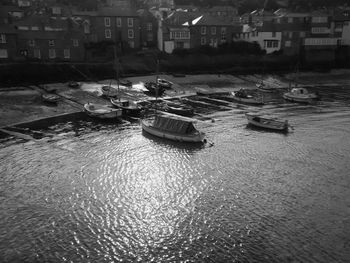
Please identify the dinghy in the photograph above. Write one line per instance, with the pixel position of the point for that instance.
(102, 111)
(300, 95)
(267, 122)
(128, 107)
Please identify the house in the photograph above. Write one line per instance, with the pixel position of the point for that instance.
(267, 35)
(148, 30)
(50, 38)
(257, 17)
(341, 25)
(112, 24)
(8, 14)
(8, 42)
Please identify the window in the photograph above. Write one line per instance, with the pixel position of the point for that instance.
(130, 33)
(290, 34)
(273, 34)
(66, 53)
(275, 44)
(278, 20)
(319, 30)
(290, 19)
(288, 43)
(107, 21)
(52, 53)
(270, 43)
(131, 44)
(75, 42)
(149, 26)
(179, 35)
(213, 30)
(31, 42)
(130, 22)
(37, 53)
(51, 43)
(86, 28)
(3, 53)
(108, 33)
(2, 38)
(223, 34)
(119, 22)
(319, 19)
(149, 37)
(203, 41)
(302, 34)
(203, 30)
(35, 28)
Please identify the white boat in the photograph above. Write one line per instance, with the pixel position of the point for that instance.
(109, 91)
(243, 97)
(264, 87)
(173, 128)
(300, 95)
(267, 122)
(128, 107)
(102, 111)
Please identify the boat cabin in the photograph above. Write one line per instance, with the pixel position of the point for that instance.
(174, 125)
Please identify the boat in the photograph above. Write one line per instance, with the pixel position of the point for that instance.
(300, 95)
(264, 87)
(128, 107)
(165, 83)
(125, 82)
(109, 91)
(154, 89)
(267, 122)
(173, 128)
(73, 84)
(51, 98)
(243, 97)
(102, 111)
(179, 109)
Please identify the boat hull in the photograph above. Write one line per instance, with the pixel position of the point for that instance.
(266, 123)
(102, 113)
(252, 100)
(305, 99)
(128, 107)
(197, 137)
(265, 88)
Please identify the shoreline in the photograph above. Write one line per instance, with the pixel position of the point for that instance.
(23, 104)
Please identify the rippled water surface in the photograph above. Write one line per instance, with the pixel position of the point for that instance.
(92, 192)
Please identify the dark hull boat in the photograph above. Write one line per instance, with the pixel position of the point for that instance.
(127, 106)
(267, 122)
(154, 89)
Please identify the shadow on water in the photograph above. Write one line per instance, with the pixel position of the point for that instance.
(191, 147)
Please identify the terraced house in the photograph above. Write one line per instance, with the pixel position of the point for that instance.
(8, 43)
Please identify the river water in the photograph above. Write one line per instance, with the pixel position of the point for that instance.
(101, 192)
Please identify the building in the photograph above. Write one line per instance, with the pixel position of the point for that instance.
(148, 31)
(8, 43)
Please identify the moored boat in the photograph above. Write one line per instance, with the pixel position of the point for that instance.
(154, 89)
(73, 84)
(173, 128)
(128, 107)
(300, 95)
(109, 91)
(165, 83)
(267, 122)
(102, 111)
(51, 98)
(179, 109)
(243, 97)
(265, 87)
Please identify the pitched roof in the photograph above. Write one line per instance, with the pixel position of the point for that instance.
(207, 20)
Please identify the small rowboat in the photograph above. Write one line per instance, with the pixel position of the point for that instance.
(102, 111)
(173, 128)
(267, 122)
(51, 98)
(109, 91)
(265, 88)
(242, 97)
(179, 109)
(300, 95)
(128, 107)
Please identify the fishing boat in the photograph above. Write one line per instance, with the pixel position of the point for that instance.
(165, 83)
(173, 128)
(265, 87)
(267, 122)
(300, 95)
(179, 109)
(102, 111)
(154, 89)
(243, 97)
(109, 91)
(128, 107)
(50, 98)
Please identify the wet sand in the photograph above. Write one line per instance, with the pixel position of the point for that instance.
(25, 104)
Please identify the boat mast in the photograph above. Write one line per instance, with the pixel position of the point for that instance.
(157, 86)
(116, 68)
